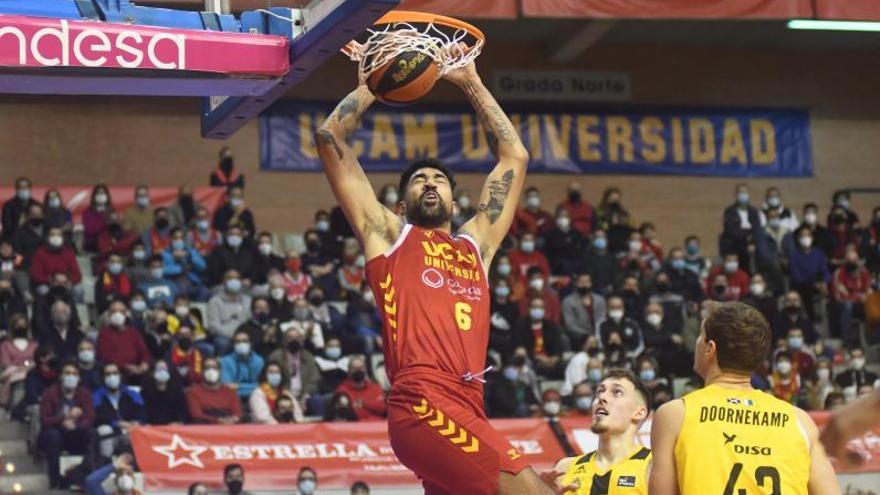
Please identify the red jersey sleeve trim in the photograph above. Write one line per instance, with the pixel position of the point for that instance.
(400, 239)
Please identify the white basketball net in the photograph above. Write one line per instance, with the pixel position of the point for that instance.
(385, 44)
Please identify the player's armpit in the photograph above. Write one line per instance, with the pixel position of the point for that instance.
(665, 427)
(823, 479)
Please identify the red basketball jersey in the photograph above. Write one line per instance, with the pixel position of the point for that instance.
(432, 294)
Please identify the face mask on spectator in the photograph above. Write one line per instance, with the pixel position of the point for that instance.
(233, 285)
(663, 286)
(301, 314)
(236, 202)
(333, 353)
(139, 254)
(647, 374)
(635, 246)
(23, 194)
(742, 198)
(293, 346)
(552, 408)
(843, 203)
(464, 202)
(101, 198)
(274, 379)
(114, 268)
(203, 225)
(307, 487)
(796, 342)
(502, 291)
(184, 343)
(212, 375)
(322, 225)
(183, 371)
(360, 261)
(757, 288)
(563, 223)
(774, 201)
(112, 381)
(858, 363)
(143, 201)
(125, 483)
(527, 246)
(86, 356)
(161, 375)
(156, 272)
(286, 416)
(783, 367)
(359, 376)
(234, 241)
(181, 311)
(277, 293)
(824, 374)
(511, 373)
(615, 314)
(533, 202)
(242, 348)
(117, 319)
(178, 244)
(536, 284)
(654, 319)
(536, 314)
(731, 266)
(600, 243)
(56, 241)
(677, 264)
(391, 197)
(138, 305)
(806, 242)
(70, 382)
(583, 404)
(265, 248)
(504, 269)
(594, 375)
(234, 486)
(774, 223)
(54, 202)
(810, 218)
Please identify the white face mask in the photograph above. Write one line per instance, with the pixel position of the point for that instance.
(527, 246)
(536, 284)
(858, 363)
(265, 249)
(212, 375)
(806, 242)
(757, 289)
(552, 408)
(563, 223)
(824, 374)
(181, 311)
(731, 266)
(277, 293)
(784, 367)
(56, 241)
(654, 319)
(464, 202)
(533, 202)
(101, 199)
(615, 314)
(810, 218)
(125, 483)
(635, 246)
(117, 319)
(391, 197)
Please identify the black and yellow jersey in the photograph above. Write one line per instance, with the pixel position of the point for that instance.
(627, 477)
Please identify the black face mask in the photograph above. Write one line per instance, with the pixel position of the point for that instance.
(293, 346)
(286, 416)
(852, 267)
(234, 486)
(359, 376)
(518, 361)
(226, 164)
(20, 332)
(162, 223)
(583, 290)
(593, 351)
(316, 300)
(313, 246)
(35, 222)
(792, 310)
(663, 286)
(5, 295)
(719, 289)
(574, 196)
(115, 230)
(58, 293)
(184, 343)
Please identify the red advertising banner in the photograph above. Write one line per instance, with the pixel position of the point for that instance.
(76, 198)
(173, 457)
(669, 9)
(43, 42)
(864, 458)
(850, 10)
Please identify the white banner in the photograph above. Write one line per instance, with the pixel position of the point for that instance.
(561, 85)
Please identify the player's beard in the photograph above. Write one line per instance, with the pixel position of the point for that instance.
(428, 216)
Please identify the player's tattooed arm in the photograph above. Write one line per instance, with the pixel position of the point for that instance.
(498, 189)
(502, 137)
(347, 115)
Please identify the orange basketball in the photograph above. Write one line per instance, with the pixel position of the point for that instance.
(405, 79)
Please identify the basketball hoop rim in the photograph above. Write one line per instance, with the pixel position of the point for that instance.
(414, 17)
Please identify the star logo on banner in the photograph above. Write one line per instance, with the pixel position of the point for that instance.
(190, 454)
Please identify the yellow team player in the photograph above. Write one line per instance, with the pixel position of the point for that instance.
(728, 438)
(621, 464)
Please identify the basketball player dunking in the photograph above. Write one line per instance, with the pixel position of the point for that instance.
(433, 296)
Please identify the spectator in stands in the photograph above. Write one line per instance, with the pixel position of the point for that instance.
(118, 408)
(360, 488)
(198, 489)
(682, 280)
(719, 289)
(210, 401)
(564, 245)
(330, 319)
(351, 273)
(112, 283)
(31, 234)
(43, 374)
(241, 368)
(856, 375)
(157, 237)
(226, 175)
(138, 310)
(332, 365)
(121, 344)
(306, 481)
(502, 269)
(650, 243)
(156, 335)
(235, 254)
(317, 264)
(514, 393)
(363, 323)
(182, 211)
(16, 357)
(600, 263)
(633, 301)
(184, 266)
(803, 361)
(340, 409)
(61, 334)
(261, 328)
(576, 369)
(850, 286)
(15, 209)
(389, 196)
(664, 342)
(785, 383)
(465, 211)
(287, 410)
(773, 202)
(808, 270)
(89, 370)
(762, 299)
(11, 302)
(159, 290)
(138, 264)
(579, 210)
(96, 217)
(185, 358)
(505, 315)
(647, 369)
(266, 260)
(627, 329)
(304, 320)
(11, 267)
(227, 310)
(330, 245)
(793, 316)
(551, 405)
(51, 258)
(296, 281)
(115, 239)
(610, 203)
(770, 251)
(742, 227)
(183, 314)
(123, 477)
(618, 232)
(737, 278)
(263, 401)
(234, 212)
(163, 397)
(841, 200)
(297, 366)
(821, 236)
(820, 385)
(870, 246)
(532, 218)
(367, 397)
(201, 234)
(675, 307)
(694, 260)
(537, 288)
(67, 416)
(59, 289)
(581, 401)
(542, 338)
(139, 216)
(526, 257)
(637, 261)
(582, 310)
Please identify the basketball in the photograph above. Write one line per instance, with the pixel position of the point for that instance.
(406, 78)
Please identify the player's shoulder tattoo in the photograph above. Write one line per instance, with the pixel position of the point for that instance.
(499, 189)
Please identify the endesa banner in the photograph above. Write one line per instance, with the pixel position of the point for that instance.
(560, 139)
(173, 457)
(864, 451)
(76, 198)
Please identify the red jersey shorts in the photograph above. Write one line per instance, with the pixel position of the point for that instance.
(439, 430)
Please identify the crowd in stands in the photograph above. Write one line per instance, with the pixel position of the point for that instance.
(199, 308)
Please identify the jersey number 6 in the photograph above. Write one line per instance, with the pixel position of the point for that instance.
(463, 316)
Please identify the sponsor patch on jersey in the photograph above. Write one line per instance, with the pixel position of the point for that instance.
(627, 481)
(740, 402)
(432, 278)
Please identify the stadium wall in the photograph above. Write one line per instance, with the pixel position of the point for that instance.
(125, 141)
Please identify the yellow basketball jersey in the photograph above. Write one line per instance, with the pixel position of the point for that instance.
(740, 442)
(627, 477)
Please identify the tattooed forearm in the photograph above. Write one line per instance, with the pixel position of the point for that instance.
(499, 130)
(498, 191)
(348, 113)
(324, 137)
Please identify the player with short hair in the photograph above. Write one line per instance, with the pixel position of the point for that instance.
(620, 464)
(431, 290)
(728, 438)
